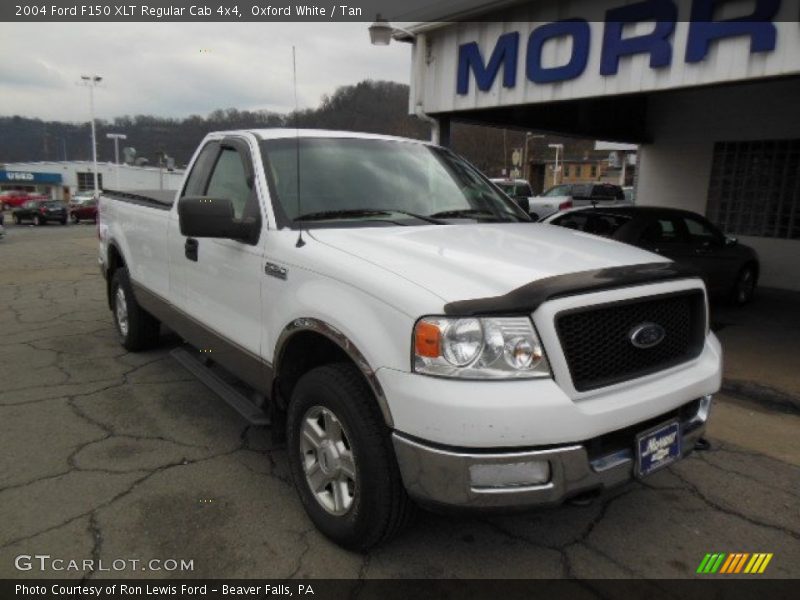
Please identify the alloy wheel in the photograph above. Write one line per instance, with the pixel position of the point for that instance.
(121, 310)
(327, 460)
(745, 286)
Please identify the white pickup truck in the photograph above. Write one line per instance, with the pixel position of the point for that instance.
(417, 338)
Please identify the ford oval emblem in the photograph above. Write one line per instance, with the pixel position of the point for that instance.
(647, 335)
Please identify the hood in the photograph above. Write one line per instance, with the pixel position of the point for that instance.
(461, 262)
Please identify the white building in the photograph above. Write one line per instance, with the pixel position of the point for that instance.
(60, 180)
(711, 101)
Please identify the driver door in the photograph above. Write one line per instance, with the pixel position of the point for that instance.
(221, 278)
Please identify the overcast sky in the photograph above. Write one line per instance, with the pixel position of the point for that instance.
(179, 69)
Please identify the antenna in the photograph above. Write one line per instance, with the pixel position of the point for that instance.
(300, 241)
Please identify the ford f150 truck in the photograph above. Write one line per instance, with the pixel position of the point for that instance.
(418, 339)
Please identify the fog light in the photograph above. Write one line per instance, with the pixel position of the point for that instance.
(535, 472)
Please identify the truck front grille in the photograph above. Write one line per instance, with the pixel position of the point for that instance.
(597, 340)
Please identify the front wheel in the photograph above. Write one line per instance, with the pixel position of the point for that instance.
(63, 221)
(137, 329)
(342, 460)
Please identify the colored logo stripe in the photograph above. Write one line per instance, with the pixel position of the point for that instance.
(734, 563)
(711, 563)
(758, 563)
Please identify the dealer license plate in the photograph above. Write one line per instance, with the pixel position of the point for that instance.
(658, 447)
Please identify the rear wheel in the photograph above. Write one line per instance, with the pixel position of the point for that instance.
(342, 460)
(63, 221)
(17, 220)
(38, 221)
(745, 287)
(75, 218)
(137, 329)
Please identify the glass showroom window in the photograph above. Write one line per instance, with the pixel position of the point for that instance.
(86, 181)
(755, 188)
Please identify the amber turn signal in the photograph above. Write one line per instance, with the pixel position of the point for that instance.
(427, 340)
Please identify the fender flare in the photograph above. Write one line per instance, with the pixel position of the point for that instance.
(307, 324)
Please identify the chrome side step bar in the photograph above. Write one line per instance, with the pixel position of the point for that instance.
(252, 413)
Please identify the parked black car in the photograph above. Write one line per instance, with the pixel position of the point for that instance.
(730, 269)
(40, 212)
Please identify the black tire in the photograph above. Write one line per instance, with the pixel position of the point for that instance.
(75, 219)
(142, 329)
(745, 287)
(17, 220)
(38, 221)
(63, 221)
(380, 506)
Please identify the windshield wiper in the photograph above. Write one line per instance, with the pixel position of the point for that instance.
(428, 218)
(356, 213)
(469, 213)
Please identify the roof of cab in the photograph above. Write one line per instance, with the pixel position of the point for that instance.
(290, 132)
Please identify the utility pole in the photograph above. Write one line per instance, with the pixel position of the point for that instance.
(116, 137)
(91, 82)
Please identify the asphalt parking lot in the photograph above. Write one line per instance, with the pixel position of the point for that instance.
(110, 455)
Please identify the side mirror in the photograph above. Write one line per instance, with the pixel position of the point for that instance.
(731, 240)
(213, 218)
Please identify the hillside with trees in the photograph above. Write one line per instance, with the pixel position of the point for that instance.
(369, 106)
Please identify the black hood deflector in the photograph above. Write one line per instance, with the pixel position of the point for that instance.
(529, 297)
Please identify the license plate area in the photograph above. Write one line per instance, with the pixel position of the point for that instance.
(658, 447)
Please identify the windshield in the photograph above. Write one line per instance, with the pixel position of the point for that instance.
(372, 182)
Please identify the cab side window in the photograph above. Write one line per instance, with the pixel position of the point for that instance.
(196, 183)
(229, 181)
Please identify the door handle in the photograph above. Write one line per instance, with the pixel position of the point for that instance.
(190, 249)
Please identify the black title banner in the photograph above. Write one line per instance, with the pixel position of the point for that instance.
(316, 10)
(197, 10)
(734, 588)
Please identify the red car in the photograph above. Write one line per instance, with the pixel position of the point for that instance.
(84, 211)
(16, 198)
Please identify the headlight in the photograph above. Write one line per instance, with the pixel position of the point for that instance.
(479, 348)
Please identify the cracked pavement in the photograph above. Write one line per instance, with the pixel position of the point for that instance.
(108, 455)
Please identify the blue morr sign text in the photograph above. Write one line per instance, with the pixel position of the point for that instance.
(703, 32)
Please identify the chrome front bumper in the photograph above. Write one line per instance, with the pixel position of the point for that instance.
(443, 477)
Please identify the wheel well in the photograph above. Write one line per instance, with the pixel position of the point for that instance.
(302, 352)
(115, 261)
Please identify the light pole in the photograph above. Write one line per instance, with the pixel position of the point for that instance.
(91, 82)
(116, 137)
(556, 167)
(525, 163)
